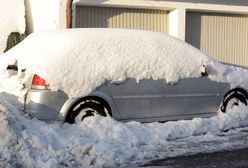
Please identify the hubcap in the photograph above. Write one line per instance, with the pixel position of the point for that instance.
(85, 113)
(233, 102)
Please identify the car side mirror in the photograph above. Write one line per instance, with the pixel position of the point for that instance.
(203, 71)
(118, 81)
(12, 70)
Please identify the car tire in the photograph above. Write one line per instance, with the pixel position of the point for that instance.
(233, 100)
(85, 109)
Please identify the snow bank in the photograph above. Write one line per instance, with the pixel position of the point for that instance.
(104, 142)
(12, 20)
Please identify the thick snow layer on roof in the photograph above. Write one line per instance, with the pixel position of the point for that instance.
(12, 15)
(103, 142)
(79, 60)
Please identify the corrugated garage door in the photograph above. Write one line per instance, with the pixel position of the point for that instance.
(224, 36)
(144, 19)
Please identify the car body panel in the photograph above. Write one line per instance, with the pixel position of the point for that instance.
(193, 96)
(172, 118)
(48, 105)
(103, 92)
(44, 104)
(146, 100)
(138, 99)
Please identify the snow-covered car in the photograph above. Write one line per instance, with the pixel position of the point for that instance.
(127, 74)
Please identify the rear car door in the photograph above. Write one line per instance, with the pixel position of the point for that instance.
(138, 100)
(193, 97)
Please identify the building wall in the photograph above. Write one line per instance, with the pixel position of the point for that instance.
(51, 14)
(177, 9)
(218, 5)
(143, 19)
(12, 20)
(224, 36)
(177, 23)
(45, 14)
(221, 2)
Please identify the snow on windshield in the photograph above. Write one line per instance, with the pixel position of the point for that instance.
(79, 60)
(12, 20)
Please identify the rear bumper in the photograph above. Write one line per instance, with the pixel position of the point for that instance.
(44, 104)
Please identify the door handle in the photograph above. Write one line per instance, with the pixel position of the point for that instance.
(117, 82)
(172, 83)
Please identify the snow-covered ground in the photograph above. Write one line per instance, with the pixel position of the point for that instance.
(104, 142)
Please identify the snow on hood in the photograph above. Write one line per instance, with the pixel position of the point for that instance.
(12, 20)
(79, 60)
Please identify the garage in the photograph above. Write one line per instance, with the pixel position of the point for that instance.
(223, 36)
(131, 18)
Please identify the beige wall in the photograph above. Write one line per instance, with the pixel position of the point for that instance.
(220, 2)
(51, 14)
(212, 5)
(176, 8)
(144, 19)
(223, 36)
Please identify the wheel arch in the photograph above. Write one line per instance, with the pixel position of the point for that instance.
(238, 91)
(110, 105)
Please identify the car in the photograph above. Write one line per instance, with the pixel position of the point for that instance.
(128, 90)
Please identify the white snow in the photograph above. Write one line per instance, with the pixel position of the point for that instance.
(79, 60)
(104, 142)
(12, 20)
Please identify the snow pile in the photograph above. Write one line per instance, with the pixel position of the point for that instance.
(236, 76)
(12, 20)
(102, 142)
(77, 61)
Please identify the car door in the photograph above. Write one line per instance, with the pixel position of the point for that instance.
(196, 96)
(137, 100)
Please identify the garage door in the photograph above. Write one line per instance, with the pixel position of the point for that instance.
(224, 36)
(144, 19)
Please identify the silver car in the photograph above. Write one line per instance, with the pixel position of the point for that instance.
(145, 101)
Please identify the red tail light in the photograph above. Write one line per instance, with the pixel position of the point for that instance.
(39, 83)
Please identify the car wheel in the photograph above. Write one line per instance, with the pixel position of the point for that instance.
(85, 109)
(233, 100)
